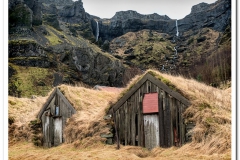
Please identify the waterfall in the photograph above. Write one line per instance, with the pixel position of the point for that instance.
(163, 67)
(177, 28)
(97, 31)
(175, 50)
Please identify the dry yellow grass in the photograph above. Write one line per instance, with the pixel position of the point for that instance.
(28, 151)
(210, 109)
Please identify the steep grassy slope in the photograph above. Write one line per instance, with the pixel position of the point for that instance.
(28, 81)
(144, 49)
(52, 52)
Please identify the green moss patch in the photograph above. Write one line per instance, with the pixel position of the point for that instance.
(30, 81)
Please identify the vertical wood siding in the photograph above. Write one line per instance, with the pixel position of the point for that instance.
(129, 118)
(53, 136)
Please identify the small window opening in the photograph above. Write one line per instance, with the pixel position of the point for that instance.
(57, 110)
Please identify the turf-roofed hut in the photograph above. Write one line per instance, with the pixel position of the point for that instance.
(53, 116)
(149, 114)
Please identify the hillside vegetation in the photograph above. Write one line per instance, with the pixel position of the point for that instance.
(210, 110)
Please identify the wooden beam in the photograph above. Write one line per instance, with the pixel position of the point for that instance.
(161, 119)
(47, 103)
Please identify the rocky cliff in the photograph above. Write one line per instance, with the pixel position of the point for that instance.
(130, 14)
(54, 44)
(214, 16)
(74, 13)
(56, 40)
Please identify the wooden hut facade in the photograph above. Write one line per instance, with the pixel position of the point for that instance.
(53, 116)
(150, 115)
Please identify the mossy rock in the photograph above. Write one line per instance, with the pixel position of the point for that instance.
(20, 16)
(51, 20)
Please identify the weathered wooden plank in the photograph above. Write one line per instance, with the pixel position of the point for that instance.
(151, 130)
(165, 124)
(141, 133)
(125, 122)
(133, 128)
(140, 120)
(117, 125)
(168, 122)
(129, 124)
(171, 119)
(121, 124)
(116, 128)
(177, 121)
(161, 119)
(182, 127)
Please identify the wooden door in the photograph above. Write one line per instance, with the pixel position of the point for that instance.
(151, 131)
(57, 130)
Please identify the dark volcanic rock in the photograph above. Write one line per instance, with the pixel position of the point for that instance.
(59, 3)
(51, 9)
(36, 8)
(33, 62)
(214, 16)
(25, 48)
(74, 13)
(20, 16)
(23, 14)
(95, 68)
(115, 28)
(123, 15)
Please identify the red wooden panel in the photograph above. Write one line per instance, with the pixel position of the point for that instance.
(150, 103)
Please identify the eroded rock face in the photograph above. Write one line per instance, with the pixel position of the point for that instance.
(20, 16)
(214, 16)
(28, 53)
(74, 13)
(123, 15)
(36, 8)
(131, 21)
(95, 68)
(23, 14)
(25, 49)
(58, 3)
